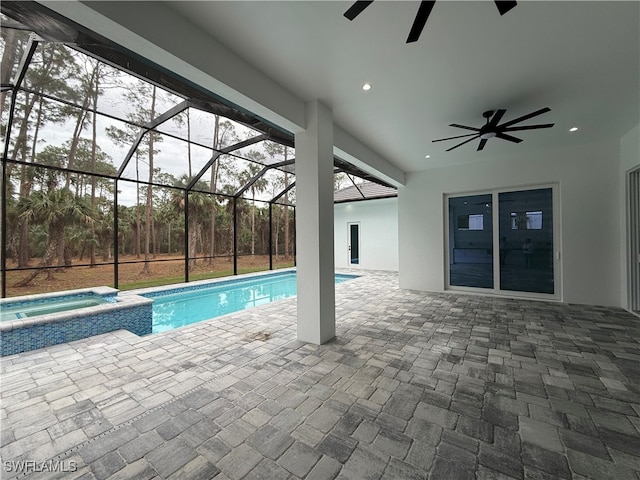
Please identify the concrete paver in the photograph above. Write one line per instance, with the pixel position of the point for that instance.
(415, 385)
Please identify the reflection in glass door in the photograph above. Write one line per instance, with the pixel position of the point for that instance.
(519, 224)
(471, 241)
(526, 241)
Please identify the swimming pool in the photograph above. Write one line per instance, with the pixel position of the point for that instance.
(177, 307)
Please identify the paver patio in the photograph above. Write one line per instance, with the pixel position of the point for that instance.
(415, 385)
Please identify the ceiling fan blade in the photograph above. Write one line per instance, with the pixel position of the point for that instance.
(451, 138)
(504, 7)
(483, 142)
(526, 117)
(421, 20)
(460, 144)
(357, 8)
(465, 127)
(527, 127)
(509, 138)
(497, 117)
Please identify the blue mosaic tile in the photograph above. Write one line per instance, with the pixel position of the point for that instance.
(137, 319)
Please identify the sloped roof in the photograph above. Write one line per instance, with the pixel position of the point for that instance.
(364, 191)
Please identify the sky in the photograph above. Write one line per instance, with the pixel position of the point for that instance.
(172, 153)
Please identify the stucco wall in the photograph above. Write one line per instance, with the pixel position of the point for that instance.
(378, 221)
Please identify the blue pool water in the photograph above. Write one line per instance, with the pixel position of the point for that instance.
(187, 305)
(25, 309)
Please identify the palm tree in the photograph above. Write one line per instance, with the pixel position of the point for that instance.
(199, 208)
(55, 210)
(223, 135)
(258, 186)
(126, 228)
(104, 233)
(279, 152)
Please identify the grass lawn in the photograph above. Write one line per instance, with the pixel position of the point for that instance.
(165, 270)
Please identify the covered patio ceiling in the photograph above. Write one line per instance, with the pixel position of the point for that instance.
(51, 27)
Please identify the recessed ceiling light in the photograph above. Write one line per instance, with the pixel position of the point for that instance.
(573, 129)
(427, 156)
(366, 87)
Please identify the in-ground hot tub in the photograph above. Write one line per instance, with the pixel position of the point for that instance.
(36, 321)
(33, 308)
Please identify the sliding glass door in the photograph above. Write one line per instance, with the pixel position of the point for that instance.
(503, 241)
(471, 241)
(526, 241)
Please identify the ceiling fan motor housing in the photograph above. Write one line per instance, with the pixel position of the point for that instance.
(492, 128)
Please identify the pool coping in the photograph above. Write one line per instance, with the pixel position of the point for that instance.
(218, 281)
(123, 299)
(206, 282)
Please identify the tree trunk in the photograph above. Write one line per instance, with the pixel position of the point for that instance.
(194, 233)
(106, 249)
(36, 133)
(146, 270)
(68, 257)
(263, 239)
(82, 117)
(9, 55)
(213, 186)
(138, 220)
(154, 239)
(277, 239)
(61, 260)
(253, 223)
(23, 250)
(138, 235)
(80, 123)
(25, 182)
(286, 211)
(23, 245)
(189, 142)
(50, 252)
(169, 237)
(231, 245)
(94, 140)
(21, 140)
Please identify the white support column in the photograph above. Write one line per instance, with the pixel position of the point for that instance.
(314, 226)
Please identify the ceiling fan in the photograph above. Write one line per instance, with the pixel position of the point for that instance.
(491, 128)
(421, 17)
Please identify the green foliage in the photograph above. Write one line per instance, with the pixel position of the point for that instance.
(56, 207)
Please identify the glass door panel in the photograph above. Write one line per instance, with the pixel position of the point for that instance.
(526, 241)
(471, 241)
(354, 243)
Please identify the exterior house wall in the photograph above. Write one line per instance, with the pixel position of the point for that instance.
(378, 221)
(589, 209)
